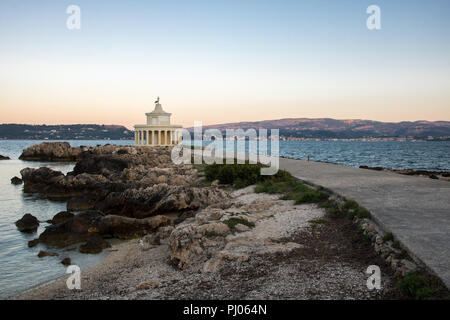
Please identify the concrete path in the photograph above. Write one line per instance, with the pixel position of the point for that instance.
(415, 209)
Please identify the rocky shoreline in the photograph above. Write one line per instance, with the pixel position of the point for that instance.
(443, 175)
(188, 238)
(275, 250)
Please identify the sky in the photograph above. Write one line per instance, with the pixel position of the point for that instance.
(223, 61)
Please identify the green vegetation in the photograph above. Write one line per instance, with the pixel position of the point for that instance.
(419, 286)
(243, 175)
(211, 233)
(396, 245)
(291, 189)
(402, 255)
(238, 175)
(316, 222)
(232, 222)
(350, 204)
(359, 212)
(388, 237)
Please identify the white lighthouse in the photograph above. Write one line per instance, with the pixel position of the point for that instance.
(158, 131)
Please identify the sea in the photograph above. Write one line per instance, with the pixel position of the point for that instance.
(22, 270)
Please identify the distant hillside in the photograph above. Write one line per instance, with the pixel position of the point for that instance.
(346, 129)
(65, 132)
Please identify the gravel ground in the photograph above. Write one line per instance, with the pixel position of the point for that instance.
(328, 262)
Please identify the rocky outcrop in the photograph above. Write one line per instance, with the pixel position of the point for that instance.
(33, 243)
(43, 254)
(16, 180)
(28, 223)
(87, 224)
(96, 244)
(4, 157)
(130, 181)
(66, 261)
(51, 151)
(160, 198)
(412, 172)
(127, 228)
(120, 191)
(76, 229)
(388, 248)
(255, 224)
(60, 217)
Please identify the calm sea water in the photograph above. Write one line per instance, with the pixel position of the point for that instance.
(20, 267)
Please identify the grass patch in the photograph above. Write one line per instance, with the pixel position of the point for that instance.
(316, 222)
(420, 287)
(240, 175)
(388, 237)
(402, 255)
(359, 212)
(311, 196)
(350, 204)
(396, 245)
(243, 175)
(211, 233)
(232, 222)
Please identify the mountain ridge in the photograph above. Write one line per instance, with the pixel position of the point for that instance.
(315, 128)
(344, 128)
(14, 131)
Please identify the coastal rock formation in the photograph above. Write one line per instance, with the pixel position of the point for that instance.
(28, 223)
(159, 198)
(239, 231)
(4, 157)
(43, 254)
(76, 229)
(412, 172)
(127, 228)
(51, 151)
(66, 261)
(87, 224)
(135, 182)
(33, 243)
(16, 180)
(60, 217)
(96, 244)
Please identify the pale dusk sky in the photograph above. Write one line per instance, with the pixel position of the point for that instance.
(223, 61)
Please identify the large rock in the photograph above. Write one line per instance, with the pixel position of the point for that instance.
(4, 158)
(76, 229)
(52, 183)
(159, 198)
(127, 228)
(43, 254)
(88, 224)
(188, 242)
(43, 180)
(42, 175)
(96, 244)
(51, 151)
(28, 223)
(80, 203)
(16, 180)
(60, 217)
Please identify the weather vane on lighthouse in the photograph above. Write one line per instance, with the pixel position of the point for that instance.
(157, 100)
